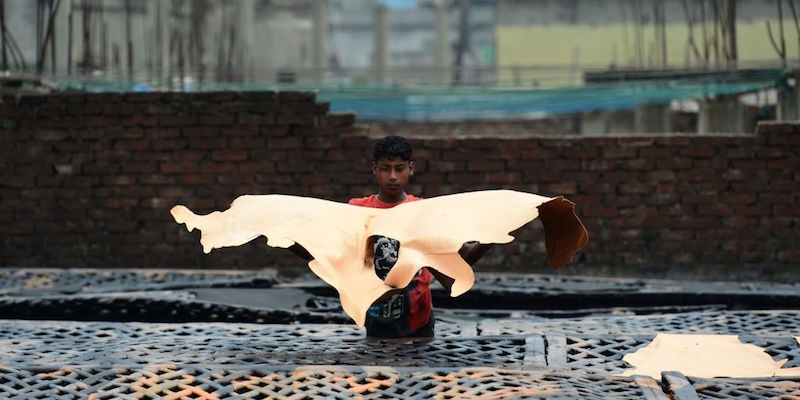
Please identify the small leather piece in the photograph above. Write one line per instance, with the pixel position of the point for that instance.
(564, 233)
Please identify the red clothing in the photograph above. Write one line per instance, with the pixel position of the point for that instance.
(374, 202)
(420, 306)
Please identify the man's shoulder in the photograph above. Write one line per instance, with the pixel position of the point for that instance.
(362, 201)
(374, 201)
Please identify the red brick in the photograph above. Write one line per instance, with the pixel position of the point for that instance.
(140, 120)
(739, 198)
(216, 97)
(167, 192)
(699, 198)
(98, 121)
(485, 166)
(661, 176)
(698, 152)
(119, 180)
(177, 167)
(636, 188)
(258, 166)
(50, 135)
(429, 178)
(120, 109)
(587, 153)
(540, 176)
(503, 177)
(200, 131)
(338, 120)
(637, 164)
(597, 187)
(710, 187)
(174, 144)
(136, 191)
(635, 141)
(151, 97)
(207, 143)
(738, 152)
(238, 143)
(621, 176)
(661, 199)
(784, 164)
(312, 180)
(445, 166)
(240, 130)
(618, 152)
(771, 152)
(246, 119)
(696, 175)
(131, 145)
(229, 155)
(188, 155)
(674, 163)
(329, 143)
(217, 168)
(196, 179)
(300, 119)
(564, 188)
(216, 119)
(598, 211)
(177, 120)
(293, 166)
(598, 165)
(673, 140)
(793, 187)
(284, 143)
(780, 210)
(139, 168)
(273, 131)
(656, 152)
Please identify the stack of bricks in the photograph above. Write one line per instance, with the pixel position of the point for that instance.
(88, 181)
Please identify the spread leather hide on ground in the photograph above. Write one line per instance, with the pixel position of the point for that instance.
(705, 356)
(430, 232)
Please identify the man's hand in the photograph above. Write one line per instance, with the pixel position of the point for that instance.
(471, 252)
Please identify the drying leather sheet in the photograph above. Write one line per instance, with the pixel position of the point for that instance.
(430, 232)
(705, 356)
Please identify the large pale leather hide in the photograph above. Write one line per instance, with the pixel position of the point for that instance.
(430, 232)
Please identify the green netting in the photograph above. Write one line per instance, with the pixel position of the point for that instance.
(441, 103)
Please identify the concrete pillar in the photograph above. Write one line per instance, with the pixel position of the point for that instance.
(652, 118)
(593, 123)
(442, 43)
(162, 61)
(61, 33)
(725, 115)
(320, 37)
(788, 107)
(246, 38)
(621, 121)
(381, 53)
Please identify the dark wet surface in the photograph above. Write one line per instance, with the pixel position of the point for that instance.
(215, 334)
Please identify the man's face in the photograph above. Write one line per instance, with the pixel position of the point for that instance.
(392, 174)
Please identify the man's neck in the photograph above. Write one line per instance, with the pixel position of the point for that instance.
(390, 200)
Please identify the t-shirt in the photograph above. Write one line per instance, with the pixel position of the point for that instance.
(408, 313)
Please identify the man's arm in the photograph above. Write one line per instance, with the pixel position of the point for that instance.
(471, 252)
(300, 251)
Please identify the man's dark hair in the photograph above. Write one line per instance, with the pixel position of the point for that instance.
(391, 147)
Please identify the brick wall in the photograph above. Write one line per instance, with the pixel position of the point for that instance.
(88, 180)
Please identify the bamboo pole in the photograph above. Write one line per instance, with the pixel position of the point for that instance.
(3, 29)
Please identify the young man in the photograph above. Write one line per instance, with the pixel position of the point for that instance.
(409, 312)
